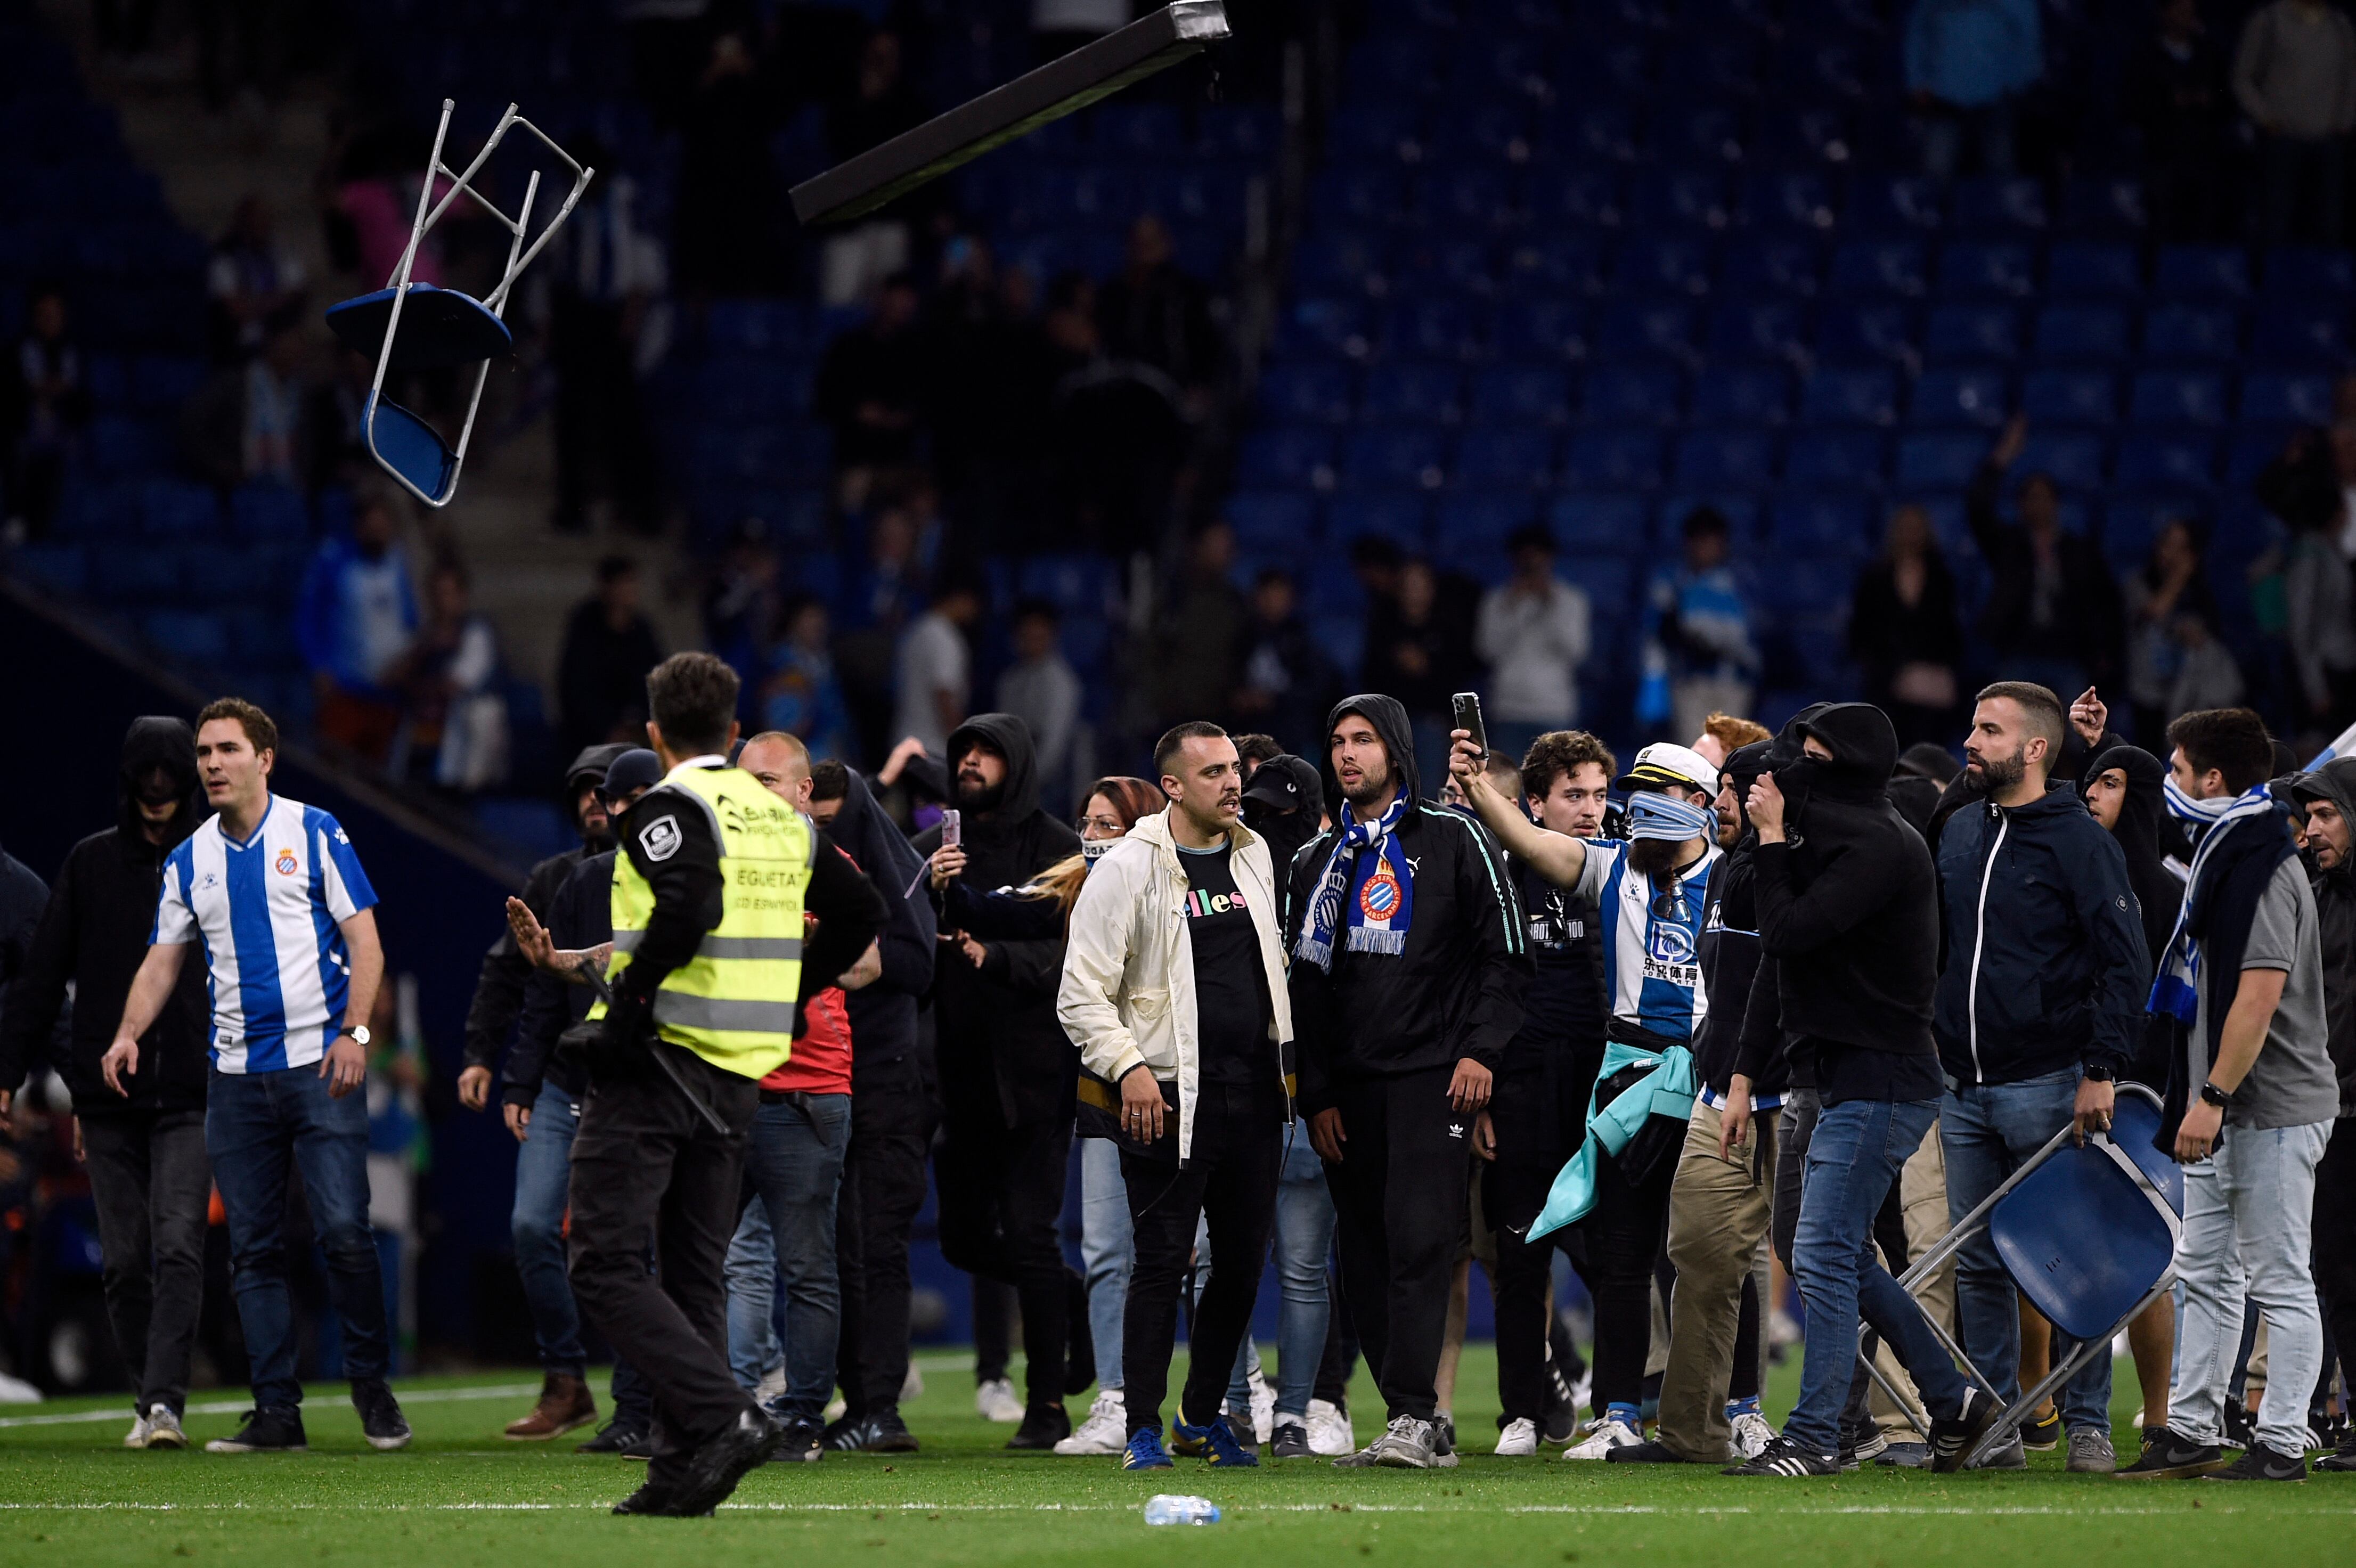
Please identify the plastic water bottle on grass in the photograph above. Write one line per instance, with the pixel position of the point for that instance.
(1165, 1509)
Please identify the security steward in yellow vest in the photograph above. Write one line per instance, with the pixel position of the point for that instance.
(710, 951)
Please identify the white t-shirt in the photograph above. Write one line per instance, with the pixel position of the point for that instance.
(932, 659)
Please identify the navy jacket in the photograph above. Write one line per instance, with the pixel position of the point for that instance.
(2046, 966)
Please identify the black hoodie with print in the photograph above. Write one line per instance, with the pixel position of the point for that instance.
(884, 1014)
(94, 932)
(1456, 991)
(1848, 904)
(2335, 911)
(998, 1040)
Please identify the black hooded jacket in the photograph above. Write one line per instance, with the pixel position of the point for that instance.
(883, 1014)
(2160, 892)
(93, 933)
(2335, 909)
(998, 1042)
(1728, 951)
(1456, 991)
(1848, 904)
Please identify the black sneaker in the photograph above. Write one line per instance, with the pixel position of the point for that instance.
(2042, 1434)
(722, 1459)
(802, 1445)
(1653, 1452)
(380, 1418)
(1785, 1457)
(274, 1429)
(2342, 1459)
(1862, 1446)
(649, 1498)
(1044, 1426)
(2241, 1426)
(2260, 1462)
(619, 1436)
(2169, 1457)
(1953, 1438)
(883, 1433)
(1290, 1440)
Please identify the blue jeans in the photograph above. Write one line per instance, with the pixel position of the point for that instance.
(793, 1164)
(1856, 1154)
(1108, 1249)
(1987, 1132)
(256, 1124)
(755, 1336)
(1305, 1243)
(543, 1174)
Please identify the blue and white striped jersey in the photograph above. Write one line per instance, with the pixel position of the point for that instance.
(1652, 942)
(267, 911)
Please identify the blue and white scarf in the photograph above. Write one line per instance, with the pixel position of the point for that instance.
(1651, 814)
(2175, 987)
(1372, 894)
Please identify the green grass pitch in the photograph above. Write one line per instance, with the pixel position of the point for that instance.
(71, 1496)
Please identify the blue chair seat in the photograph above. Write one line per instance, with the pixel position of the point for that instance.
(2080, 1238)
(410, 448)
(439, 328)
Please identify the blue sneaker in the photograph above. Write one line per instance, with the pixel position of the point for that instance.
(1215, 1442)
(1144, 1452)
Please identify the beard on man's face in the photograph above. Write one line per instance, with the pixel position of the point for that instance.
(972, 795)
(1997, 774)
(1655, 857)
(1370, 788)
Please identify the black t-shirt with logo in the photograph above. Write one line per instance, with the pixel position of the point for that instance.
(1231, 1003)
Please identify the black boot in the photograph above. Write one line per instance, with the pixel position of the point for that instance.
(1044, 1426)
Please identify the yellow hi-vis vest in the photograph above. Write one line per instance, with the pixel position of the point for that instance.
(732, 1003)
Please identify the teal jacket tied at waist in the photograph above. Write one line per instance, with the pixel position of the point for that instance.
(1667, 1089)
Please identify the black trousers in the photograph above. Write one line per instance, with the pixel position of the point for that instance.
(1228, 1183)
(1001, 1207)
(2334, 1242)
(1624, 1232)
(649, 1171)
(1401, 1196)
(151, 1182)
(883, 1188)
(1535, 1138)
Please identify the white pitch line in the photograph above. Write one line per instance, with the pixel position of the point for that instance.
(240, 1406)
(1936, 1511)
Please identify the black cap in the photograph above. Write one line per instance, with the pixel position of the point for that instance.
(590, 766)
(637, 768)
(1287, 783)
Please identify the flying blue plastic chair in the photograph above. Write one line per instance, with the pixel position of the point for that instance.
(2088, 1235)
(408, 326)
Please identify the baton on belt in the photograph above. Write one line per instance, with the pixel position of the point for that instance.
(662, 1058)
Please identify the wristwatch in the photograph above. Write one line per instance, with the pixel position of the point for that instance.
(2215, 1096)
(360, 1033)
(2096, 1074)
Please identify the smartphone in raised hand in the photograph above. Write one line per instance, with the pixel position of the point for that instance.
(1467, 708)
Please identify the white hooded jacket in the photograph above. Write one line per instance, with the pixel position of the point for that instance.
(1128, 991)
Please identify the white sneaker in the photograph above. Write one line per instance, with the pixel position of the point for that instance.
(771, 1388)
(143, 1431)
(1519, 1440)
(1104, 1433)
(1263, 1408)
(912, 1387)
(17, 1391)
(1331, 1434)
(1582, 1387)
(997, 1401)
(1606, 1434)
(1752, 1435)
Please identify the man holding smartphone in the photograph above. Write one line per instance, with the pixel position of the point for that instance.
(1407, 982)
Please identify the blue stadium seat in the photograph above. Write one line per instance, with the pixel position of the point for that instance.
(1451, 266)
(1647, 329)
(1758, 329)
(1835, 459)
(1848, 330)
(1472, 194)
(119, 446)
(1743, 395)
(1660, 264)
(1362, 193)
(64, 568)
(2081, 1239)
(1550, 329)
(2166, 459)
(1394, 514)
(1759, 268)
(1331, 326)
(1381, 456)
(1959, 397)
(2189, 332)
(1592, 523)
(759, 327)
(1286, 456)
(1812, 136)
(1850, 397)
(1552, 264)
(1976, 270)
(265, 513)
(1606, 132)
(198, 636)
(1497, 457)
(1789, 198)
(161, 383)
(2070, 396)
(1481, 131)
(2219, 273)
(1073, 583)
(2286, 399)
(1585, 198)
(1337, 261)
(2081, 334)
(1680, 198)
(2074, 458)
(176, 509)
(136, 576)
(1938, 460)
(106, 376)
(1412, 389)
(2092, 269)
(1437, 329)
(1711, 134)
(2251, 447)
(1306, 394)
(2098, 207)
(1710, 459)
(1476, 523)
(1879, 267)
(1522, 394)
(2300, 332)
(1802, 521)
(1987, 206)
(1980, 332)
(1901, 204)
(2310, 274)
(1614, 460)
(1272, 522)
(1141, 130)
(1608, 581)
(2130, 522)
(2176, 396)
(1634, 394)
(1374, 129)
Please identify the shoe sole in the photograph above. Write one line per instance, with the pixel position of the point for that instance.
(176, 1440)
(223, 1445)
(551, 1434)
(2174, 1472)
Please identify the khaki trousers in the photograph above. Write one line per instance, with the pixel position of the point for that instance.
(1719, 1212)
